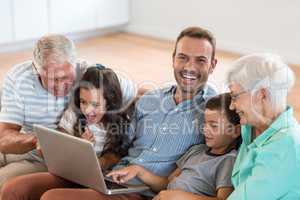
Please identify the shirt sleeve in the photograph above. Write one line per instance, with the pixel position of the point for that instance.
(223, 173)
(191, 152)
(12, 103)
(129, 89)
(272, 174)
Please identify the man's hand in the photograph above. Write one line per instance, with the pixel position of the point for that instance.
(18, 143)
(14, 142)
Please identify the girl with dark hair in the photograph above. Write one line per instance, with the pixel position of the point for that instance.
(96, 112)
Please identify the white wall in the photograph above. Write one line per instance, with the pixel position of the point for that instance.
(6, 21)
(22, 22)
(241, 26)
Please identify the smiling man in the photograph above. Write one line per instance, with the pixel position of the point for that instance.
(193, 61)
(37, 92)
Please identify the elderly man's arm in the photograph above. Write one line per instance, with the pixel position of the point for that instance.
(14, 142)
(11, 120)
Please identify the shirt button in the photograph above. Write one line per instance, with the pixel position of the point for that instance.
(141, 160)
(154, 149)
(164, 129)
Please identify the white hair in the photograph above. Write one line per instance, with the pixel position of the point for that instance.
(264, 70)
(56, 48)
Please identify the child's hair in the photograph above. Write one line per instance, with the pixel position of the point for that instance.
(222, 103)
(115, 120)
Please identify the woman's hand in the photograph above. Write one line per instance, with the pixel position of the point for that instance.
(125, 174)
(87, 135)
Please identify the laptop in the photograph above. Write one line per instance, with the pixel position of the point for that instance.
(74, 159)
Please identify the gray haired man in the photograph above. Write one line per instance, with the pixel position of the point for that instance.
(37, 92)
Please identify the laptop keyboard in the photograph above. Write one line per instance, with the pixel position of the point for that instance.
(112, 185)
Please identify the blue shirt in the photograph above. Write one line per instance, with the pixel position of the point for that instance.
(162, 131)
(269, 167)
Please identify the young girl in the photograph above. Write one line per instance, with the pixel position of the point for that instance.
(204, 171)
(95, 112)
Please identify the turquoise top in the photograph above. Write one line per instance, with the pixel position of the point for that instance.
(269, 167)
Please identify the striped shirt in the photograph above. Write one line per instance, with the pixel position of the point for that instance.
(25, 102)
(162, 131)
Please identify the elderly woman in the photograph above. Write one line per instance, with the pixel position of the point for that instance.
(268, 163)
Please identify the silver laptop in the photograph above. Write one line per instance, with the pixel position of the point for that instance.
(74, 159)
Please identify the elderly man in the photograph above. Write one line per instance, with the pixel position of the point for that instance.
(37, 92)
(268, 163)
(165, 124)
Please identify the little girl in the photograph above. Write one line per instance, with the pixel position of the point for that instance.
(96, 114)
(204, 171)
(96, 111)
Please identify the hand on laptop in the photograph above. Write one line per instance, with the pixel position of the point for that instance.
(125, 174)
(87, 135)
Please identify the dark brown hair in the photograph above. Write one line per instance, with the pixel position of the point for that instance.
(200, 33)
(115, 119)
(221, 103)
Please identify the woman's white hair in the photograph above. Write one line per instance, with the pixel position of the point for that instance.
(264, 70)
(55, 48)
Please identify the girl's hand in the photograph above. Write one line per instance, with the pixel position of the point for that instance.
(125, 174)
(87, 135)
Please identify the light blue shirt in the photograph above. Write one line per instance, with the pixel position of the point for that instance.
(268, 168)
(162, 131)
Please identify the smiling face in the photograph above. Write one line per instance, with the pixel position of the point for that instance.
(92, 105)
(192, 64)
(57, 78)
(245, 105)
(250, 106)
(218, 131)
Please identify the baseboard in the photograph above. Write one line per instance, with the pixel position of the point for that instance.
(78, 36)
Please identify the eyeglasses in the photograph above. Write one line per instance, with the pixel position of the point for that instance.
(234, 97)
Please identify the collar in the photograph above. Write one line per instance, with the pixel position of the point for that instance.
(283, 121)
(172, 90)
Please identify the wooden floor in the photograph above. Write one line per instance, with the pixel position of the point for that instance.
(145, 60)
